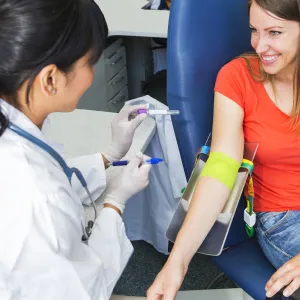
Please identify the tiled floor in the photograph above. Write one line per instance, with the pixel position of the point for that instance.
(222, 294)
(146, 262)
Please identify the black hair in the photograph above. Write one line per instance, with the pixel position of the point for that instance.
(37, 33)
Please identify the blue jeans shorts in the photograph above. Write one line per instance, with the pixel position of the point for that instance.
(278, 234)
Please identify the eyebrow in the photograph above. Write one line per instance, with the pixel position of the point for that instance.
(272, 27)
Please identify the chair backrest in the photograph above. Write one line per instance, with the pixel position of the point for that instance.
(203, 35)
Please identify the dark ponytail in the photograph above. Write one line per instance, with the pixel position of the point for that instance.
(37, 33)
(3, 122)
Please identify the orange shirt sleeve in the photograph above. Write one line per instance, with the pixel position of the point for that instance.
(230, 83)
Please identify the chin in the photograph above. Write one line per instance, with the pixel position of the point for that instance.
(71, 109)
(273, 69)
(73, 106)
(68, 109)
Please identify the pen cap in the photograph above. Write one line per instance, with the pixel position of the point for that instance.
(142, 111)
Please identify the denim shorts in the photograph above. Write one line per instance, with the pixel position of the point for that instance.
(278, 234)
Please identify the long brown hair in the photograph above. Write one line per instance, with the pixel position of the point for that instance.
(287, 10)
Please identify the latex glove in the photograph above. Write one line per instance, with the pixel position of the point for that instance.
(133, 178)
(168, 281)
(123, 129)
(288, 275)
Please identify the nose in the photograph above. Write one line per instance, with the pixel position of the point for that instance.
(261, 45)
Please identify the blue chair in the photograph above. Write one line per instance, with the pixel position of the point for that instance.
(203, 36)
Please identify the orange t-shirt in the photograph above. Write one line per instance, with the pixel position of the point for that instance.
(276, 174)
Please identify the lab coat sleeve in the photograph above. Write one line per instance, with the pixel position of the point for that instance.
(53, 263)
(111, 243)
(6, 292)
(93, 169)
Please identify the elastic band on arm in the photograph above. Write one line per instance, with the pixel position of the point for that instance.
(221, 167)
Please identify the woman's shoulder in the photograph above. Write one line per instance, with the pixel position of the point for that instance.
(23, 169)
(235, 79)
(240, 66)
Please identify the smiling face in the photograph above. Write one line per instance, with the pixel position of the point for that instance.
(275, 40)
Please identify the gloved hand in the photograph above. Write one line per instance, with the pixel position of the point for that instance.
(133, 179)
(123, 131)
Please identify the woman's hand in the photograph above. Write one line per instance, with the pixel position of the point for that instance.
(133, 178)
(288, 275)
(168, 281)
(123, 128)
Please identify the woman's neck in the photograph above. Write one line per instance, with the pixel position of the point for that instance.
(36, 120)
(286, 75)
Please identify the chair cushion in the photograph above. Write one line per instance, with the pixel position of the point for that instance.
(247, 266)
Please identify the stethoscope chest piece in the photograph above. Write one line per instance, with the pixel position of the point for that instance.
(88, 230)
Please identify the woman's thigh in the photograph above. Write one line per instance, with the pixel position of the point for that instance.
(278, 235)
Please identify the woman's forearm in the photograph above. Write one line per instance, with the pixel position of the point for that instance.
(208, 201)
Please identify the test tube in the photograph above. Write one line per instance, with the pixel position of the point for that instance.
(152, 112)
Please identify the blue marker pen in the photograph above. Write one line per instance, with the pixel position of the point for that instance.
(151, 161)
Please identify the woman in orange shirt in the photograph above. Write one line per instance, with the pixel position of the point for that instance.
(257, 99)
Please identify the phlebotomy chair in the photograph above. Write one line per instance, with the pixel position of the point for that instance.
(204, 35)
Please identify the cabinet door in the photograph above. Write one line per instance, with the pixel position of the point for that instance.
(116, 103)
(116, 84)
(109, 88)
(95, 97)
(115, 63)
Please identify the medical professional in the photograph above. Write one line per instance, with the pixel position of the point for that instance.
(257, 99)
(47, 52)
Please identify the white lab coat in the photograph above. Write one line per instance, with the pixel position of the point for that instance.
(149, 219)
(41, 253)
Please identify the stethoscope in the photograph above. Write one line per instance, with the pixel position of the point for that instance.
(68, 171)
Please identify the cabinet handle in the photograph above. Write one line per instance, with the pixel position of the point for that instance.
(120, 78)
(115, 102)
(112, 55)
(116, 61)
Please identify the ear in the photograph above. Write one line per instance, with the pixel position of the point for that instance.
(48, 80)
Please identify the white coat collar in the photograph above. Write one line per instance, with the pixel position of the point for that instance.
(21, 120)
